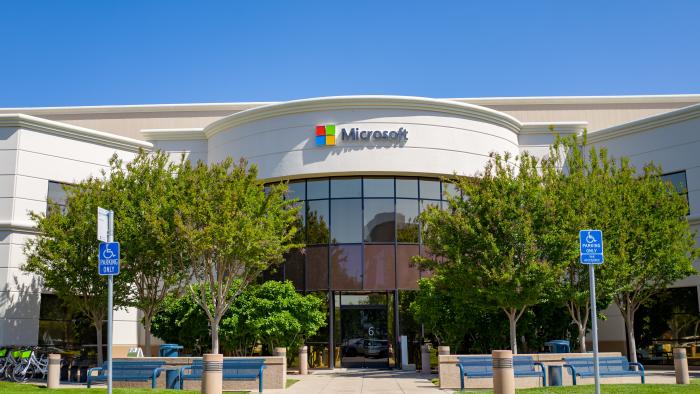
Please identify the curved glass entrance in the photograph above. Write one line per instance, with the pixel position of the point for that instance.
(365, 340)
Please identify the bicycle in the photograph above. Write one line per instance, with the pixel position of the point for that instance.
(30, 365)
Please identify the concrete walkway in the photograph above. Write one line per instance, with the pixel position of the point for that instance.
(363, 381)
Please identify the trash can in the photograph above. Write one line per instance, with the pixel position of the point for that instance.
(172, 379)
(169, 350)
(556, 377)
(558, 346)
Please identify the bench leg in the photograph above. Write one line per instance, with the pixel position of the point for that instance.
(260, 384)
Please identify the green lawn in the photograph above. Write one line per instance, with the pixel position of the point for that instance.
(694, 387)
(11, 388)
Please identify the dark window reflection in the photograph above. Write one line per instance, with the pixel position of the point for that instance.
(346, 262)
(430, 188)
(346, 221)
(57, 195)
(294, 268)
(406, 272)
(316, 188)
(407, 187)
(379, 220)
(317, 268)
(379, 267)
(317, 222)
(296, 190)
(407, 220)
(424, 204)
(346, 187)
(379, 187)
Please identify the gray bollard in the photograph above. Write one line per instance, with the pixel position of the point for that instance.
(303, 360)
(425, 359)
(282, 352)
(54, 378)
(212, 378)
(680, 363)
(503, 376)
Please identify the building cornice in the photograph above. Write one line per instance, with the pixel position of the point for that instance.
(364, 102)
(651, 122)
(553, 127)
(65, 130)
(18, 226)
(147, 108)
(566, 100)
(173, 134)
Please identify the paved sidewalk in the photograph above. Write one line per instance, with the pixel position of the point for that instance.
(363, 381)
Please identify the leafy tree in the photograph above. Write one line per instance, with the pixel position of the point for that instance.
(489, 241)
(148, 200)
(181, 320)
(64, 253)
(233, 230)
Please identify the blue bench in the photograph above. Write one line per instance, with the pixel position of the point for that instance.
(609, 366)
(128, 371)
(482, 367)
(233, 369)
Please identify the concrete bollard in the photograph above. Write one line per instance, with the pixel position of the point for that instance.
(212, 379)
(443, 350)
(503, 376)
(303, 360)
(680, 363)
(54, 378)
(282, 351)
(425, 359)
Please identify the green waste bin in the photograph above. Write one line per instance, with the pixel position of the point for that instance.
(169, 350)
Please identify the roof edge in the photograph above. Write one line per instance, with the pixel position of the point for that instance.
(639, 125)
(182, 134)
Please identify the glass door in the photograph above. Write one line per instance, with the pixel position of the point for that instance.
(364, 331)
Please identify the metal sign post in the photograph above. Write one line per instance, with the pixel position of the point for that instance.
(108, 265)
(592, 254)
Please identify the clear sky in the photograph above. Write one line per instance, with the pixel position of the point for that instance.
(97, 52)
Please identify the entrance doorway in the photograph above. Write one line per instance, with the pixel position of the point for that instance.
(364, 331)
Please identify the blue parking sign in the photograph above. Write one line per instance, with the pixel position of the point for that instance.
(109, 258)
(591, 242)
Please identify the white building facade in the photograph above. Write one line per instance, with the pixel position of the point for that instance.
(383, 156)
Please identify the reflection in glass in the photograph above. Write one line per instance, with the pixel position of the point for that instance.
(407, 274)
(300, 236)
(294, 268)
(379, 220)
(317, 268)
(316, 188)
(407, 220)
(430, 188)
(379, 187)
(407, 187)
(296, 190)
(346, 224)
(449, 189)
(424, 204)
(317, 222)
(379, 267)
(346, 187)
(346, 263)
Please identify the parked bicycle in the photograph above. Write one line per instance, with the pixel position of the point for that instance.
(22, 364)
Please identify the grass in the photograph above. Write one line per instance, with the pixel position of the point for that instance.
(290, 382)
(29, 388)
(693, 387)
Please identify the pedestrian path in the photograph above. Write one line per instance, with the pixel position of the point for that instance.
(356, 381)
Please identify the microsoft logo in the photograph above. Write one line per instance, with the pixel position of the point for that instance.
(325, 135)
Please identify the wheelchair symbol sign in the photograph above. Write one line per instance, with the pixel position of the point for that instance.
(591, 246)
(109, 258)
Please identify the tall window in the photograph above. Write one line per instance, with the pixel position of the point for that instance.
(680, 182)
(56, 194)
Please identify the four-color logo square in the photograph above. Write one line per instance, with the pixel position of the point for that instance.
(325, 135)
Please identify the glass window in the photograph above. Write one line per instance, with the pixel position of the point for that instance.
(346, 221)
(316, 188)
(346, 187)
(346, 263)
(317, 222)
(317, 268)
(407, 273)
(425, 203)
(294, 268)
(678, 179)
(407, 187)
(379, 267)
(379, 187)
(296, 190)
(449, 189)
(430, 188)
(56, 194)
(407, 220)
(379, 220)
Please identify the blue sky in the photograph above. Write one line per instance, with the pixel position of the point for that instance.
(144, 52)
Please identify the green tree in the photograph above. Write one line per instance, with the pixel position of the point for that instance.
(489, 244)
(233, 230)
(181, 320)
(147, 202)
(64, 253)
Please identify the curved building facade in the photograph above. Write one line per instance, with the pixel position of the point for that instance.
(362, 167)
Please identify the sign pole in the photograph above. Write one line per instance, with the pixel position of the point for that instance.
(594, 327)
(110, 290)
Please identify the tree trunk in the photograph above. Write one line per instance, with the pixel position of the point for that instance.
(100, 356)
(581, 337)
(513, 337)
(215, 338)
(147, 340)
(629, 319)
